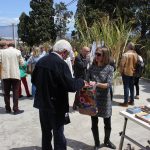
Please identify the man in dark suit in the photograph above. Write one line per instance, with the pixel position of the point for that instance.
(81, 63)
(53, 81)
(80, 69)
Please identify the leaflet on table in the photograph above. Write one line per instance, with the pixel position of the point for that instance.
(143, 116)
(133, 110)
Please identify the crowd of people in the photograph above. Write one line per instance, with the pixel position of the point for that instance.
(62, 70)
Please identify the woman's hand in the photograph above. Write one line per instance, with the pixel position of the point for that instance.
(103, 85)
(86, 83)
(92, 83)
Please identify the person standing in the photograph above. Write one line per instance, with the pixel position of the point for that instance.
(70, 61)
(80, 63)
(138, 76)
(127, 69)
(101, 73)
(31, 62)
(23, 74)
(53, 81)
(80, 69)
(11, 59)
(75, 52)
(3, 46)
(42, 51)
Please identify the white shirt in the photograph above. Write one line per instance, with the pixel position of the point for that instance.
(11, 59)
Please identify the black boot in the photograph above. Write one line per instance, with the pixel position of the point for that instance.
(107, 142)
(8, 109)
(96, 138)
(110, 145)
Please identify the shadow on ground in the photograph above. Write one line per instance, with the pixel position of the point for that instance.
(2, 110)
(145, 84)
(1, 94)
(148, 99)
(27, 148)
(114, 103)
(71, 109)
(78, 145)
(26, 98)
(118, 96)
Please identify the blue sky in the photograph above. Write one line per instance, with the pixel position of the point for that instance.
(10, 10)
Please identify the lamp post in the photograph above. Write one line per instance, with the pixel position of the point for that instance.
(13, 31)
(13, 34)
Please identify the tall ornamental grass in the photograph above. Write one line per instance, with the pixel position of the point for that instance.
(114, 34)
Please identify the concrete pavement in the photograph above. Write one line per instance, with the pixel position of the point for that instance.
(22, 132)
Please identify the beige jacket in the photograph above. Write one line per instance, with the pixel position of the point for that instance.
(10, 59)
(128, 63)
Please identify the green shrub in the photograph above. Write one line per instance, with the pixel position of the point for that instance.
(147, 71)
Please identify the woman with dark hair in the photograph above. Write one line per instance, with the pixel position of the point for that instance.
(102, 73)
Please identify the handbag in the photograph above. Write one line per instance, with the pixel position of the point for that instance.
(86, 101)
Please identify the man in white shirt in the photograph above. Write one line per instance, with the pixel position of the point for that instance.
(10, 59)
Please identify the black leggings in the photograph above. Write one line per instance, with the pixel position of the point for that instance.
(107, 122)
(136, 83)
(107, 129)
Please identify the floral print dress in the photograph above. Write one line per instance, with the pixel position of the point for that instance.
(102, 74)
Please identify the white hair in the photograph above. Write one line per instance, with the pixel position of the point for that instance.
(62, 45)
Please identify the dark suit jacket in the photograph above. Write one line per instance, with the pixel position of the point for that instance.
(53, 81)
(80, 67)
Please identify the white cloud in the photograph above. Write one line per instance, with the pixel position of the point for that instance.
(8, 21)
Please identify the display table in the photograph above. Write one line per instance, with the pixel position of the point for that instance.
(131, 117)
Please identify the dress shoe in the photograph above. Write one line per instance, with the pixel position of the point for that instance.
(124, 104)
(8, 111)
(16, 112)
(137, 97)
(110, 145)
(20, 96)
(29, 95)
(131, 103)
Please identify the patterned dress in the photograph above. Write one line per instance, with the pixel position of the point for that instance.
(102, 74)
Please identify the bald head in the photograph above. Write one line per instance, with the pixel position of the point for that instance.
(85, 51)
(130, 46)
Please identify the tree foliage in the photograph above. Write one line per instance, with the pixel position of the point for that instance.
(23, 29)
(62, 18)
(135, 11)
(42, 20)
(40, 24)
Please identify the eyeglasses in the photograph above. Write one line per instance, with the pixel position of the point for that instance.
(66, 52)
(98, 54)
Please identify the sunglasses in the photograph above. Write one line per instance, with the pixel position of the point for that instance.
(98, 54)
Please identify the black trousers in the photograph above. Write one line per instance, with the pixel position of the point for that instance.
(136, 83)
(14, 84)
(107, 129)
(51, 122)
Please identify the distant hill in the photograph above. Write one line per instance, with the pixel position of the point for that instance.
(7, 32)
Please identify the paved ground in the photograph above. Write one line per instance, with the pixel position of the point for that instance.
(22, 132)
